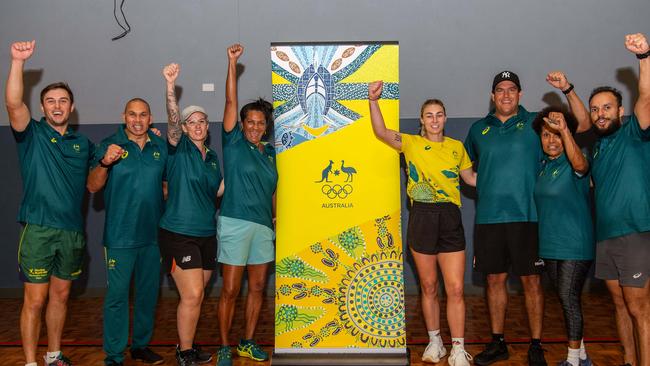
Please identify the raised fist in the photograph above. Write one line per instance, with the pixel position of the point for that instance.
(374, 89)
(235, 51)
(22, 50)
(113, 154)
(170, 72)
(555, 121)
(636, 43)
(558, 80)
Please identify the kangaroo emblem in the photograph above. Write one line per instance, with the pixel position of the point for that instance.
(326, 172)
(350, 171)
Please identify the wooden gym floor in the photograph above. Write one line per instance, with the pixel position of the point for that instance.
(82, 335)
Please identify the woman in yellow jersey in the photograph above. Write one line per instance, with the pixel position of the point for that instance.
(435, 231)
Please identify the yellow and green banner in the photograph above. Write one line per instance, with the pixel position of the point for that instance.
(339, 270)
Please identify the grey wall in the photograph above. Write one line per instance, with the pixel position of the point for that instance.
(448, 49)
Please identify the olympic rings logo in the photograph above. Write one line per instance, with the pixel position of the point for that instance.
(336, 190)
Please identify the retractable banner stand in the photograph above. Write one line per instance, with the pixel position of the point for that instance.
(339, 270)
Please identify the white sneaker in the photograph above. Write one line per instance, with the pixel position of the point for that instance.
(434, 352)
(459, 357)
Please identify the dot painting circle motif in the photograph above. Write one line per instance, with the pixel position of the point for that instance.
(374, 299)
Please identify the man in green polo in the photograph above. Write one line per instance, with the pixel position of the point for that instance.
(621, 174)
(129, 165)
(54, 163)
(507, 154)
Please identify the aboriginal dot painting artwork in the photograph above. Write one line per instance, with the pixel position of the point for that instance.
(339, 266)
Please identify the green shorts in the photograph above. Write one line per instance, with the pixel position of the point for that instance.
(244, 242)
(44, 251)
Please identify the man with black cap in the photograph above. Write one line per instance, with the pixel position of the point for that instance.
(506, 153)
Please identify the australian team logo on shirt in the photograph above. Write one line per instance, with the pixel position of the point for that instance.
(76, 148)
(111, 263)
(336, 183)
(214, 165)
(156, 155)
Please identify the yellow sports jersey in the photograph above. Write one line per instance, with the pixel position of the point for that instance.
(433, 168)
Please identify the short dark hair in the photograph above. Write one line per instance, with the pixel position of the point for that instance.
(607, 89)
(57, 85)
(138, 100)
(570, 119)
(259, 105)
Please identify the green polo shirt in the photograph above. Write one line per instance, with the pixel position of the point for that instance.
(566, 229)
(508, 156)
(621, 173)
(133, 191)
(193, 184)
(54, 168)
(250, 179)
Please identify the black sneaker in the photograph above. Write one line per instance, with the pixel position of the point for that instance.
(536, 355)
(201, 355)
(494, 351)
(146, 355)
(114, 363)
(186, 358)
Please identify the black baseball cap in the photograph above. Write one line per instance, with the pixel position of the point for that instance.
(503, 76)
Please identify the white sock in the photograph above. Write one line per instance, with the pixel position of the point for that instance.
(434, 336)
(583, 351)
(574, 356)
(31, 364)
(51, 356)
(458, 342)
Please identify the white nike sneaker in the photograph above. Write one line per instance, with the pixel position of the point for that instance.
(459, 357)
(434, 352)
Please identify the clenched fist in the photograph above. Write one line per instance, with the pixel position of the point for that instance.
(170, 72)
(235, 51)
(374, 90)
(21, 51)
(113, 154)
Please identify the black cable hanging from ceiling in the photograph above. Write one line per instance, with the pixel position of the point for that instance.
(126, 29)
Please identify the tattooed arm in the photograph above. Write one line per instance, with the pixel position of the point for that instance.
(174, 130)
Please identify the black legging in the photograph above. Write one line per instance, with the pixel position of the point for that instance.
(568, 277)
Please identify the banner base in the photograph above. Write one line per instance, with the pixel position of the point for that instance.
(338, 359)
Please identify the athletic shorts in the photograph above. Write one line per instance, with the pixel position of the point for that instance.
(45, 251)
(243, 242)
(497, 247)
(435, 228)
(186, 252)
(624, 258)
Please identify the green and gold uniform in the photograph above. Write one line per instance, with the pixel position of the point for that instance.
(246, 218)
(134, 204)
(250, 179)
(54, 169)
(508, 155)
(193, 186)
(621, 176)
(562, 199)
(434, 168)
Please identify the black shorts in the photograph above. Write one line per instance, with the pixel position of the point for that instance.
(186, 251)
(499, 246)
(435, 228)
